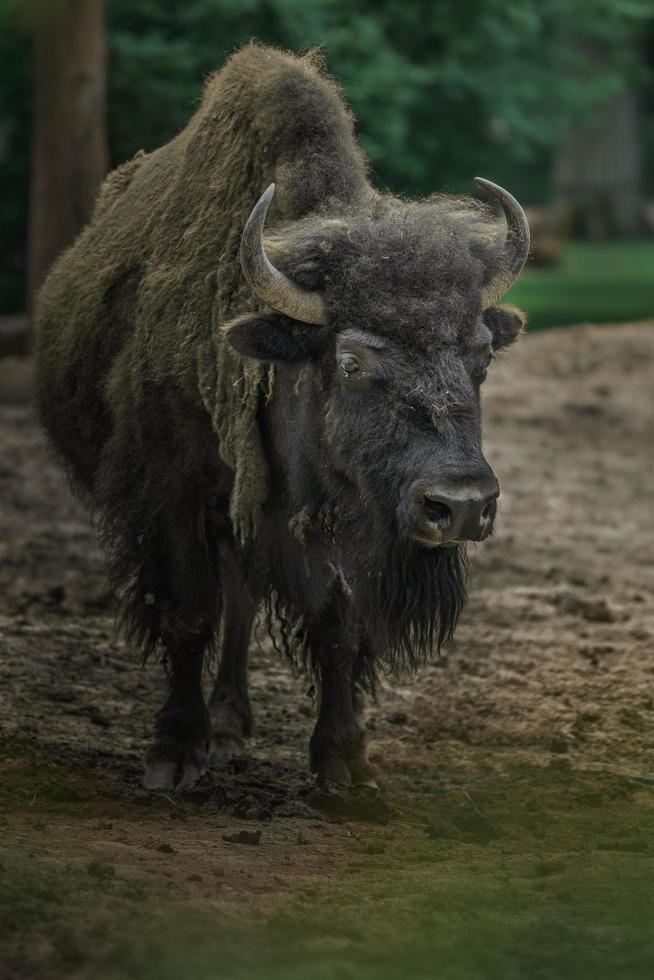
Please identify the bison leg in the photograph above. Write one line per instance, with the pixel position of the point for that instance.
(181, 596)
(338, 750)
(229, 705)
(178, 756)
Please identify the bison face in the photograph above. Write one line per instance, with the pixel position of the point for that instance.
(399, 421)
(404, 425)
(386, 305)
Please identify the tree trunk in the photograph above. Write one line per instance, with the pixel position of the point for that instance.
(70, 155)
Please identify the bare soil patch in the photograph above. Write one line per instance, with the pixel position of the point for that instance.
(519, 769)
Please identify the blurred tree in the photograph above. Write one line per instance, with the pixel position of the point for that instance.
(70, 155)
(597, 171)
(440, 88)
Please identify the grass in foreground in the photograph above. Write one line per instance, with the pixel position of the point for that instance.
(541, 871)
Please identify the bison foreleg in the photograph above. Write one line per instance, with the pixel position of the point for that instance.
(339, 752)
(229, 705)
(178, 756)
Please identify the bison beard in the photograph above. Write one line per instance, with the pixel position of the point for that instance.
(399, 603)
(409, 601)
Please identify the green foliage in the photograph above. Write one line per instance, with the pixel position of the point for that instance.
(442, 89)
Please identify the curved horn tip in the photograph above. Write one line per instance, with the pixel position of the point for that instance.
(495, 189)
(260, 209)
(516, 247)
(267, 282)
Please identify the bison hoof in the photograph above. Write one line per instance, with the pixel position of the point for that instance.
(228, 727)
(338, 760)
(336, 770)
(174, 766)
(223, 748)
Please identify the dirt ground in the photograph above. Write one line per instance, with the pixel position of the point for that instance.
(519, 770)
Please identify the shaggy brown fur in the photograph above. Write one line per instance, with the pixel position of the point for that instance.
(220, 483)
(156, 273)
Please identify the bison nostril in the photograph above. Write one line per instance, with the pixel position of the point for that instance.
(487, 512)
(437, 512)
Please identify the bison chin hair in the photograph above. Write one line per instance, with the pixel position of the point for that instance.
(399, 611)
(409, 602)
(398, 602)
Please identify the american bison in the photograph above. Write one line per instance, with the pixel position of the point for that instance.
(272, 407)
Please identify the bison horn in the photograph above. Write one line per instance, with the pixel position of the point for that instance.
(516, 246)
(267, 282)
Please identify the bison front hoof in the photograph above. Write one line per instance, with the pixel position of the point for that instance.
(342, 766)
(346, 783)
(229, 726)
(174, 766)
(339, 771)
(223, 748)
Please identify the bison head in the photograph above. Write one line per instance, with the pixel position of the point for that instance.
(397, 307)
(383, 331)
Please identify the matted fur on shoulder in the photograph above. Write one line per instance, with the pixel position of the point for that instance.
(156, 272)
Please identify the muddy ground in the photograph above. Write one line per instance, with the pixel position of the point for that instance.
(519, 770)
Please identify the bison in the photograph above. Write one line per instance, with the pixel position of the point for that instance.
(295, 435)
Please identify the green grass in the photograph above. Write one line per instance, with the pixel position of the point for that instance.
(592, 283)
(544, 872)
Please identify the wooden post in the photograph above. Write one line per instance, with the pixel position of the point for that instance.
(70, 155)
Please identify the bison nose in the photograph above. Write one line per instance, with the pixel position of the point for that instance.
(443, 516)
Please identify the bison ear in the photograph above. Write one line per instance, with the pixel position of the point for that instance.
(275, 337)
(505, 323)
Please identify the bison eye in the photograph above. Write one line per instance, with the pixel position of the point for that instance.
(349, 364)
